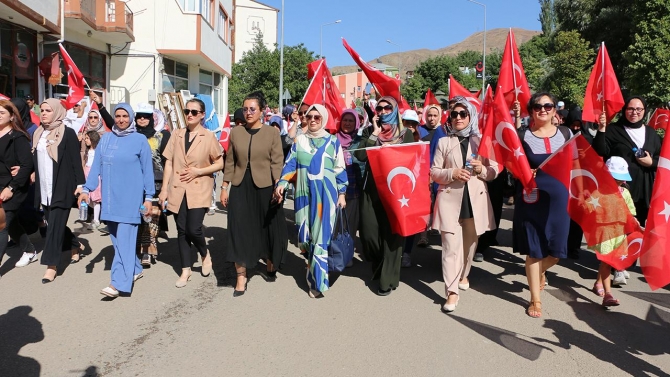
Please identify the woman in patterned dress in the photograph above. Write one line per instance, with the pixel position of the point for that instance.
(316, 161)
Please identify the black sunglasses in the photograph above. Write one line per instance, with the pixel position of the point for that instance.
(380, 108)
(192, 112)
(546, 106)
(145, 116)
(316, 118)
(455, 114)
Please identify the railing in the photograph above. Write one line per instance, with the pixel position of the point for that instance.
(88, 8)
(81, 9)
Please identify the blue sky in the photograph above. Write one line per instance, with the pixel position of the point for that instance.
(366, 24)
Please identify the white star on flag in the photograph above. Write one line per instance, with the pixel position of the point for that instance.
(600, 97)
(623, 257)
(666, 211)
(595, 202)
(517, 152)
(518, 90)
(404, 202)
(70, 91)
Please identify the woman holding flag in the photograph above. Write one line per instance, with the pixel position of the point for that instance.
(381, 246)
(462, 184)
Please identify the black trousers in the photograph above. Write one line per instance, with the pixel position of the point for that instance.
(495, 188)
(59, 237)
(14, 229)
(189, 231)
(575, 237)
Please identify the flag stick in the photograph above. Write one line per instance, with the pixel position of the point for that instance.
(602, 60)
(511, 51)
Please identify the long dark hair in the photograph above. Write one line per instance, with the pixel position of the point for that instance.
(94, 136)
(15, 123)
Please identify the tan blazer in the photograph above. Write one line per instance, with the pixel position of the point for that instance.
(450, 192)
(267, 156)
(204, 151)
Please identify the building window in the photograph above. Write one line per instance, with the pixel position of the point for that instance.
(210, 84)
(223, 27)
(189, 6)
(206, 10)
(175, 76)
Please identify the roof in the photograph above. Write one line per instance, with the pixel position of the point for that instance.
(265, 5)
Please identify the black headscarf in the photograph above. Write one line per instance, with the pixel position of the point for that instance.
(624, 121)
(147, 131)
(239, 114)
(24, 110)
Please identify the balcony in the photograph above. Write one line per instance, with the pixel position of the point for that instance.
(108, 20)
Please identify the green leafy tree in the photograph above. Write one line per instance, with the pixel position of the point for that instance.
(259, 70)
(571, 63)
(547, 18)
(536, 63)
(648, 72)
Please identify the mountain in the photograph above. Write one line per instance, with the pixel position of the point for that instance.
(495, 40)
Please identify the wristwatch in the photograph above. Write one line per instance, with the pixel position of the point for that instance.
(10, 188)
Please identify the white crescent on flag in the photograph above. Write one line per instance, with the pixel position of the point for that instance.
(574, 173)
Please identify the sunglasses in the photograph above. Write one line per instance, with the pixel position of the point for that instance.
(387, 108)
(455, 114)
(547, 106)
(149, 116)
(192, 112)
(317, 118)
(249, 110)
(301, 113)
(93, 117)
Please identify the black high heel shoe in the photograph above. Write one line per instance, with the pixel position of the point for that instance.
(237, 293)
(271, 276)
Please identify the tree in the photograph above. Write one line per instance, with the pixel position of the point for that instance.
(648, 56)
(571, 64)
(259, 70)
(536, 63)
(547, 18)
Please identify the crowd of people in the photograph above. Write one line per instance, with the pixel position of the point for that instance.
(132, 173)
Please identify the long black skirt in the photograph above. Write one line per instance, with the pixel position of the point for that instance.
(256, 228)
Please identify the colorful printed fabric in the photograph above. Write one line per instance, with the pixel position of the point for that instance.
(320, 176)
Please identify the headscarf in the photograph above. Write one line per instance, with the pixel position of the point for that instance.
(56, 128)
(239, 114)
(159, 120)
(149, 131)
(131, 114)
(425, 113)
(324, 120)
(390, 122)
(473, 126)
(287, 111)
(101, 123)
(24, 111)
(346, 138)
(624, 121)
(276, 119)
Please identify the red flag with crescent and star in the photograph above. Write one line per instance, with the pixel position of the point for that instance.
(660, 119)
(385, 85)
(401, 175)
(602, 91)
(75, 80)
(486, 111)
(456, 89)
(595, 202)
(500, 143)
(512, 81)
(224, 137)
(323, 91)
(655, 254)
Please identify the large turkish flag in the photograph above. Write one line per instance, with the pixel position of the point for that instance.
(401, 175)
(75, 80)
(512, 81)
(323, 91)
(602, 91)
(660, 119)
(456, 89)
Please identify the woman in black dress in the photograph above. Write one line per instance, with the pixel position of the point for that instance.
(256, 223)
(621, 139)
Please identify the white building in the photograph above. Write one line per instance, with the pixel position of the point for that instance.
(252, 17)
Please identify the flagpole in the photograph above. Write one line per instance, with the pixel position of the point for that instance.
(511, 51)
(602, 60)
(311, 82)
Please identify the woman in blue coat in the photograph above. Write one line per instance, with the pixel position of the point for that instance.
(123, 163)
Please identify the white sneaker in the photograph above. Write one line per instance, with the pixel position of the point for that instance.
(138, 276)
(626, 274)
(618, 278)
(94, 225)
(26, 259)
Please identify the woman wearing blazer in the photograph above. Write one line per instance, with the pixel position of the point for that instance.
(256, 223)
(58, 172)
(462, 208)
(191, 156)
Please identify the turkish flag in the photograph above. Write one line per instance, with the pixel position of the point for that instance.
(75, 80)
(456, 89)
(486, 111)
(512, 81)
(34, 118)
(655, 254)
(500, 143)
(385, 85)
(4, 97)
(323, 91)
(602, 91)
(595, 201)
(353, 104)
(224, 137)
(401, 175)
(429, 99)
(660, 119)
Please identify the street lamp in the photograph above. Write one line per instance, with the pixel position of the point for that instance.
(399, 57)
(484, 54)
(281, 60)
(321, 36)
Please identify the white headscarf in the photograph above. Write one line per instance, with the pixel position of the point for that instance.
(324, 120)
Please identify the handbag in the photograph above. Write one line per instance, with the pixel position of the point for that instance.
(341, 248)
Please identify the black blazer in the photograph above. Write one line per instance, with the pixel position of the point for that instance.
(616, 142)
(17, 153)
(67, 172)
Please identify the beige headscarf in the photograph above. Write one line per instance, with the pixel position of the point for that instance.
(56, 127)
(324, 120)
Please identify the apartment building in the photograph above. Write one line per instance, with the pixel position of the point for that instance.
(253, 17)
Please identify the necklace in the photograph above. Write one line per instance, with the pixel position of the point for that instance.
(313, 146)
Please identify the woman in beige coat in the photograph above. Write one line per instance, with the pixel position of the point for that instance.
(462, 209)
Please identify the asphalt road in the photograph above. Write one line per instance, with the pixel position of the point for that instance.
(67, 328)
